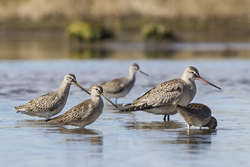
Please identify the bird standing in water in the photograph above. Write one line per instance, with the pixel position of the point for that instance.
(50, 104)
(86, 112)
(163, 98)
(120, 87)
(196, 114)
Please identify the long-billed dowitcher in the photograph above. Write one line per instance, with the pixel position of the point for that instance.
(196, 114)
(163, 98)
(86, 112)
(50, 104)
(120, 87)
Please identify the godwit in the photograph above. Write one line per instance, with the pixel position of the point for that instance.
(120, 87)
(163, 98)
(86, 112)
(196, 114)
(50, 104)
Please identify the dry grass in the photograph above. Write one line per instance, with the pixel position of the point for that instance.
(185, 12)
(78, 9)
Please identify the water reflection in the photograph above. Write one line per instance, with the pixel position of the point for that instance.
(91, 139)
(81, 53)
(194, 140)
(155, 125)
(57, 128)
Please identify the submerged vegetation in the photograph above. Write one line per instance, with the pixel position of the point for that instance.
(88, 32)
(157, 32)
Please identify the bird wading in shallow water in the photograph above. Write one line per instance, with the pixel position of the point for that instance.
(196, 114)
(50, 104)
(86, 112)
(120, 87)
(163, 98)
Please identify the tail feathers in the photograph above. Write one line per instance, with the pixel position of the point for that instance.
(19, 108)
(136, 108)
(57, 119)
(126, 105)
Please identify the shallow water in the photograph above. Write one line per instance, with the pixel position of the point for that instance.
(55, 45)
(124, 139)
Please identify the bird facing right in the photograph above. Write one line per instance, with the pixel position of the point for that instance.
(163, 98)
(86, 112)
(52, 103)
(196, 114)
(120, 87)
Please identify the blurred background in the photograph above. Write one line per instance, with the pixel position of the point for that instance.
(84, 29)
(97, 40)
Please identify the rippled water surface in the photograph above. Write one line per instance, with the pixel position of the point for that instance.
(124, 139)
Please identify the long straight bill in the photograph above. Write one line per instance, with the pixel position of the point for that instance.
(209, 83)
(109, 101)
(81, 87)
(143, 73)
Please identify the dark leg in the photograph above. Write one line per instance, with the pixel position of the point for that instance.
(115, 100)
(164, 119)
(168, 117)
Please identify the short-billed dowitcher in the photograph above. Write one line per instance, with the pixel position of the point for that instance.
(120, 87)
(196, 114)
(163, 98)
(50, 104)
(86, 112)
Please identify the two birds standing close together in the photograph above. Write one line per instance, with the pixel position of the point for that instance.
(165, 99)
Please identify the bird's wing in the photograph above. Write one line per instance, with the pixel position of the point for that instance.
(113, 86)
(166, 93)
(47, 102)
(79, 112)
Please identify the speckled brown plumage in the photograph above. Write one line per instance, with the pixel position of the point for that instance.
(196, 114)
(163, 98)
(84, 113)
(50, 104)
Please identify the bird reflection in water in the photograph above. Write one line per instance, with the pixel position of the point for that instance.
(194, 140)
(73, 135)
(155, 125)
(89, 139)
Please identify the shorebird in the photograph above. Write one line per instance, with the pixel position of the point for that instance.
(86, 112)
(196, 114)
(120, 87)
(50, 104)
(163, 98)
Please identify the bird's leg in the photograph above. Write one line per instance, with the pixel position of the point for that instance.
(168, 117)
(115, 100)
(188, 126)
(164, 118)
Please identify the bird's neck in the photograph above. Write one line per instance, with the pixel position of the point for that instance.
(191, 87)
(64, 88)
(97, 100)
(131, 76)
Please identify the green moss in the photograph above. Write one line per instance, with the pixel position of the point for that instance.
(157, 32)
(87, 32)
